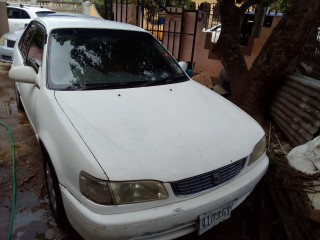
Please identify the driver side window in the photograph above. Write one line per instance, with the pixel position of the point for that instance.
(32, 46)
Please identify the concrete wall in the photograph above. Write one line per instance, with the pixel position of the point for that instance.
(260, 41)
(201, 54)
(204, 62)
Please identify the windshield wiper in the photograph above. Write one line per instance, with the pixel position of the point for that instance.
(100, 86)
(75, 86)
(81, 86)
(168, 80)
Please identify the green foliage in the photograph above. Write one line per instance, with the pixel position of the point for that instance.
(281, 5)
(191, 6)
(99, 4)
(179, 3)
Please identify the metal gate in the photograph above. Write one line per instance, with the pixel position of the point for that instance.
(167, 24)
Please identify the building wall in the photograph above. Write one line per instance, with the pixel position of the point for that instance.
(260, 41)
(205, 62)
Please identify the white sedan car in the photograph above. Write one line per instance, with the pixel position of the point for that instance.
(20, 15)
(215, 32)
(7, 42)
(133, 148)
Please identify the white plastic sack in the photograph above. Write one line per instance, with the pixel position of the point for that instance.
(306, 157)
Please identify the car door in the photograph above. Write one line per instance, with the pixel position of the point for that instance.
(17, 18)
(31, 49)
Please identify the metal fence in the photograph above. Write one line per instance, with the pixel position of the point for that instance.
(309, 60)
(296, 108)
(210, 15)
(167, 24)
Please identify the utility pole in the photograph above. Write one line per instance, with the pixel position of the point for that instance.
(4, 27)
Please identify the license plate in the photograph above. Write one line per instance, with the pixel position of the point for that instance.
(210, 219)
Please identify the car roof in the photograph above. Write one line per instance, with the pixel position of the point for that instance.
(65, 20)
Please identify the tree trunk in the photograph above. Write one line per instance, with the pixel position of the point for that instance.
(251, 88)
(228, 46)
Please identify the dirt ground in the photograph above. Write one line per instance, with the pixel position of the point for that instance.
(255, 219)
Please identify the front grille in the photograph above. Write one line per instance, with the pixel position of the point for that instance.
(207, 180)
(10, 43)
(6, 58)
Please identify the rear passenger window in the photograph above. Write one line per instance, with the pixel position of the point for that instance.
(24, 14)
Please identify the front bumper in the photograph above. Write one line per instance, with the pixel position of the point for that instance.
(6, 54)
(163, 222)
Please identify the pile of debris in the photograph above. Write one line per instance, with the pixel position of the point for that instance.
(295, 186)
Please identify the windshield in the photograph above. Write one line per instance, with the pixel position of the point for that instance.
(99, 58)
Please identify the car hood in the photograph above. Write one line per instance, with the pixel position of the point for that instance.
(165, 133)
(13, 36)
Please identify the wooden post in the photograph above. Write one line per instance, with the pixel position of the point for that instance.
(4, 27)
(258, 20)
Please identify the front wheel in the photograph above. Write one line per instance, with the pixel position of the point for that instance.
(18, 99)
(54, 194)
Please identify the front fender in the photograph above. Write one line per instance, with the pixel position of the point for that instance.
(67, 151)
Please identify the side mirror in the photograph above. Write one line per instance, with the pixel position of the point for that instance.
(24, 74)
(183, 65)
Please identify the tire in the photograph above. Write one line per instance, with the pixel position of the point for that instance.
(54, 193)
(18, 99)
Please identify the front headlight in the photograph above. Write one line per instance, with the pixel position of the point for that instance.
(258, 150)
(3, 41)
(138, 191)
(95, 189)
(117, 193)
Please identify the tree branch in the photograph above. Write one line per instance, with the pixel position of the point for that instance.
(283, 45)
(252, 89)
(289, 35)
